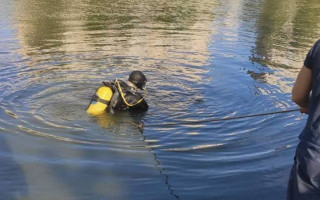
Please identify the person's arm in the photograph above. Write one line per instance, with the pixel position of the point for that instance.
(134, 98)
(114, 102)
(301, 89)
(143, 105)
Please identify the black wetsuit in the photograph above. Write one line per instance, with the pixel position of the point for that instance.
(304, 182)
(126, 97)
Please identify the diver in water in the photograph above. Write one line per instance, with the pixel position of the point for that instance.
(119, 95)
(126, 95)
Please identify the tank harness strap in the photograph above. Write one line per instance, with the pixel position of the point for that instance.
(122, 95)
(98, 99)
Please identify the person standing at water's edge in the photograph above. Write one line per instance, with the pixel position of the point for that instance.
(304, 181)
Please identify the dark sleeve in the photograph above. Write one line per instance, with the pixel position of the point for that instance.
(133, 98)
(115, 101)
(311, 56)
(142, 106)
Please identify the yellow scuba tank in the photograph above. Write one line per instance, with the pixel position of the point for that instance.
(100, 101)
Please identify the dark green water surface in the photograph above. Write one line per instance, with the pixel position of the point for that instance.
(203, 58)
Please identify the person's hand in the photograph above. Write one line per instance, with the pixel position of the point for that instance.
(304, 110)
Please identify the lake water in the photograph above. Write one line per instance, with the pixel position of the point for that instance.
(202, 58)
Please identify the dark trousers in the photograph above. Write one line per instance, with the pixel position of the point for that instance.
(304, 181)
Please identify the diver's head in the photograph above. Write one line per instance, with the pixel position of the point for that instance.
(139, 79)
